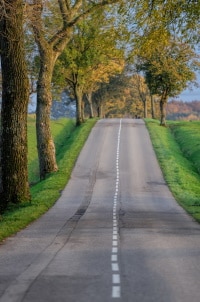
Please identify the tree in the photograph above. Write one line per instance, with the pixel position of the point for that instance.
(162, 42)
(15, 96)
(50, 46)
(181, 18)
(90, 58)
(111, 97)
(142, 91)
(167, 71)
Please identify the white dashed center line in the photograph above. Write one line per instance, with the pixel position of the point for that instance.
(116, 287)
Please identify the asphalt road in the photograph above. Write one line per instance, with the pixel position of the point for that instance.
(115, 234)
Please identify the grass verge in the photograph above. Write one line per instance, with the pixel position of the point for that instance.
(69, 141)
(177, 150)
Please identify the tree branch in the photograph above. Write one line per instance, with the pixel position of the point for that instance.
(72, 16)
(36, 22)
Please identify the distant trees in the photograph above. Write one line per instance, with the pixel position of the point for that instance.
(124, 95)
(91, 58)
(142, 91)
(109, 98)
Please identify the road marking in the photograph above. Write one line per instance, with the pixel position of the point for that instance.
(116, 292)
(115, 250)
(115, 278)
(114, 258)
(116, 289)
(115, 243)
(115, 267)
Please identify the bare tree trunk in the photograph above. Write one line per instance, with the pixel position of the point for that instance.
(78, 95)
(83, 110)
(48, 55)
(152, 107)
(45, 143)
(89, 99)
(15, 96)
(100, 111)
(163, 103)
(145, 108)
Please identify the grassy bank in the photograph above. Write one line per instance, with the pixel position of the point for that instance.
(178, 150)
(61, 131)
(69, 141)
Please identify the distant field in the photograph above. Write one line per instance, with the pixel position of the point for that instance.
(178, 150)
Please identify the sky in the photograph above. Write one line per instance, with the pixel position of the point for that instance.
(189, 95)
(192, 94)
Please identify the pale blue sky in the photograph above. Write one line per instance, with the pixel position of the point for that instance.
(192, 94)
(189, 95)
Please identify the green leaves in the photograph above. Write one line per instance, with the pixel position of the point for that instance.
(92, 55)
(179, 17)
(168, 67)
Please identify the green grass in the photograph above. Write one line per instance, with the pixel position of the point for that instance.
(187, 134)
(61, 130)
(177, 148)
(69, 141)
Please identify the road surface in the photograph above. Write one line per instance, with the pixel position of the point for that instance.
(115, 234)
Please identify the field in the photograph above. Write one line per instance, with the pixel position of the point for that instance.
(178, 150)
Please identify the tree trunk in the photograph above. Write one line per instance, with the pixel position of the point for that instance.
(83, 110)
(89, 98)
(152, 107)
(79, 97)
(49, 52)
(45, 143)
(100, 111)
(145, 108)
(15, 96)
(163, 103)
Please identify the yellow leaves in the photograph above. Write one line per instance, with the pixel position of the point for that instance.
(103, 71)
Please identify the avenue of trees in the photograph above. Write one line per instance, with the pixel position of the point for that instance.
(167, 71)
(88, 48)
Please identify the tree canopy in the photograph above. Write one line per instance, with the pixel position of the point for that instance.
(167, 70)
(92, 57)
